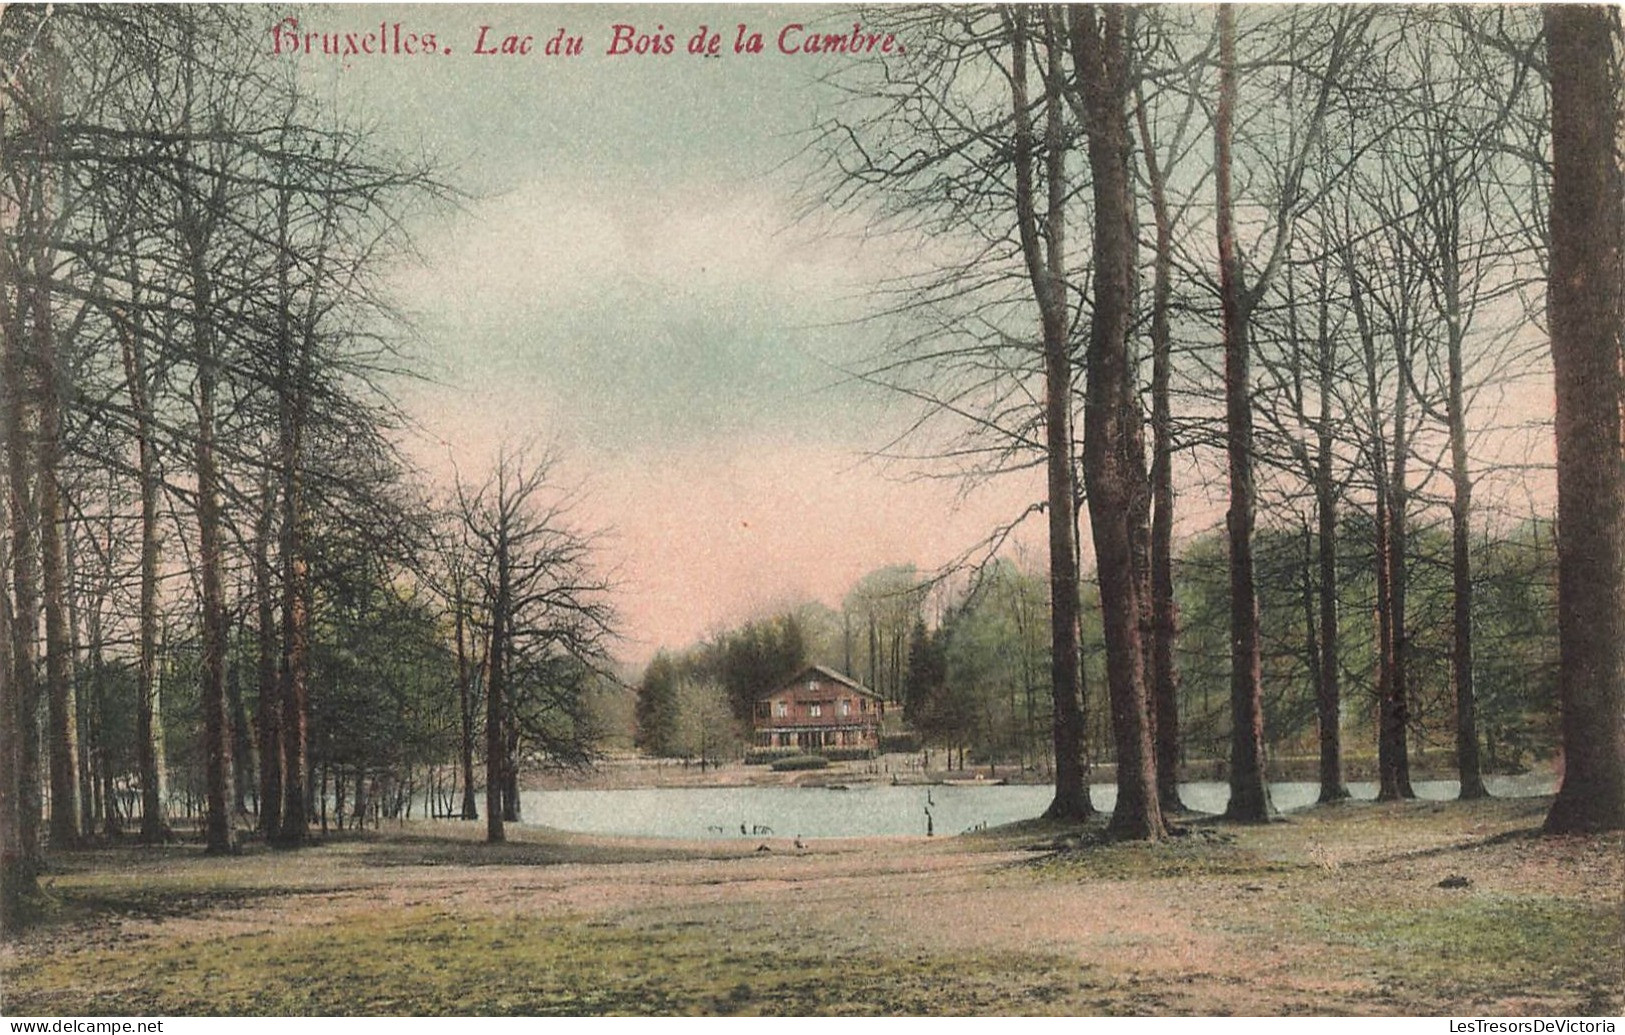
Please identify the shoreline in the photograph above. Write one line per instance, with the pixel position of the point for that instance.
(626, 771)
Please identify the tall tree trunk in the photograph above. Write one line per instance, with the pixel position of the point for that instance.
(1164, 686)
(154, 825)
(16, 368)
(1461, 563)
(1388, 784)
(293, 389)
(16, 872)
(1328, 701)
(218, 833)
(1393, 751)
(293, 673)
(85, 641)
(242, 740)
(1249, 794)
(1113, 446)
(81, 690)
(1586, 307)
(97, 742)
(495, 687)
(61, 713)
(200, 202)
(465, 697)
(1044, 253)
(270, 690)
(62, 738)
(510, 769)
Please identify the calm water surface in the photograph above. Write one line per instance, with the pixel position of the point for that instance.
(873, 810)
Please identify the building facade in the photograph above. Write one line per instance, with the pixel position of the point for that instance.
(819, 708)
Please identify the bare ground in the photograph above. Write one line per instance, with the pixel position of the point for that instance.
(1338, 910)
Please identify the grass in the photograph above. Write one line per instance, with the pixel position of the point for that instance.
(1338, 910)
(1486, 946)
(431, 962)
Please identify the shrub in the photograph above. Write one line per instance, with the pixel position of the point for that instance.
(798, 762)
(847, 754)
(900, 743)
(764, 755)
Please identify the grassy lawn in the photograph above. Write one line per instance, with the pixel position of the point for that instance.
(1339, 910)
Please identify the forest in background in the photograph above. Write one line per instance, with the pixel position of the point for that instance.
(1301, 256)
(968, 660)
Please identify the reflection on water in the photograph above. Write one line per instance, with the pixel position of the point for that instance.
(873, 810)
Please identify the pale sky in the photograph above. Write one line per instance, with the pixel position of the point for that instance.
(632, 284)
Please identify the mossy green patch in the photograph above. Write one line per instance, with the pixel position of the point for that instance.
(1487, 945)
(425, 962)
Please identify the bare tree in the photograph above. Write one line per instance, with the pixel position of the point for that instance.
(546, 623)
(21, 852)
(1328, 48)
(1113, 442)
(1044, 250)
(1249, 796)
(919, 149)
(1161, 148)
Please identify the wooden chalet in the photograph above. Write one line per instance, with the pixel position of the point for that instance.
(819, 708)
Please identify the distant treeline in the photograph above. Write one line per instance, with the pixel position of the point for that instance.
(976, 681)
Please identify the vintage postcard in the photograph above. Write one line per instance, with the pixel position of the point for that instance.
(684, 509)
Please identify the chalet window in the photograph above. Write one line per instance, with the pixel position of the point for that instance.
(815, 710)
(863, 704)
(781, 709)
(761, 709)
(846, 707)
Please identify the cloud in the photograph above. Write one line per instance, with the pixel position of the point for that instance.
(639, 315)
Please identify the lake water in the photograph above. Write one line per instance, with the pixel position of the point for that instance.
(874, 810)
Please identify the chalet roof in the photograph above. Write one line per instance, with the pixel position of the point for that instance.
(826, 673)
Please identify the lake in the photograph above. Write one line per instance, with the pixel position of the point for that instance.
(876, 810)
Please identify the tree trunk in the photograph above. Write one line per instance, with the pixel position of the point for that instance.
(1461, 565)
(295, 355)
(1383, 548)
(242, 741)
(270, 692)
(1045, 267)
(294, 671)
(218, 833)
(95, 743)
(495, 687)
(1249, 794)
(154, 826)
(1586, 308)
(82, 690)
(17, 883)
(1328, 701)
(1393, 751)
(198, 209)
(24, 629)
(466, 704)
(1164, 673)
(62, 739)
(1114, 450)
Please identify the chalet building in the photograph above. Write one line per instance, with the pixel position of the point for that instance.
(819, 708)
